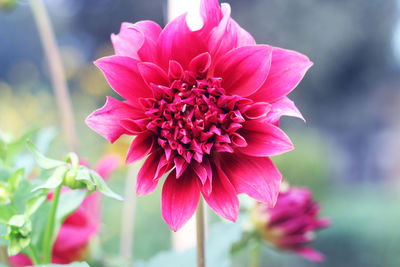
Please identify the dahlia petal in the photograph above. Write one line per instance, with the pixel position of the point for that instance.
(247, 68)
(283, 107)
(137, 40)
(310, 254)
(227, 35)
(180, 198)
(151, 73)
(175, 70)
(134, 127)
(123, 75)
(71, 236)
(255, 176)
(201, 172)
(106, 121)
(127, 41)
(181, 165)
(200, 64)
(257, 110)
(287, 70)
(222, 199)
(177, 42)
(264, 139)
(210, 12)
(146, 183)
(140, 147)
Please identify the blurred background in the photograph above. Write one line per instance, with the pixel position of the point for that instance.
(347, 152)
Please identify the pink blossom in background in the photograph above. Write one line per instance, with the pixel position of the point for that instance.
(77, 230)
(292, 223)
(204, 105)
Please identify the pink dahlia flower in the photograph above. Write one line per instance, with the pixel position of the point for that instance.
(291, 224)
(204, 105)
(77, 230)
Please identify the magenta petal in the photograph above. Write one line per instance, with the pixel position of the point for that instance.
(200, 64)
(227, 35)
(287, 70)
(145, 180)
(152, 73)
(310, 254)
(244, 70)
(106, 121)
(177, 42)
(257, 110)
(283, 107)
(264, 139)
(222, 199)
(211, 14)
(180, 198)
(137, 40)
(255, 176)
(140, 147)
(123, 76)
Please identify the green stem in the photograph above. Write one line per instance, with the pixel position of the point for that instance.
(255, 254)
(49, 233)
(200, 234)
(33, 255)
(4, 256)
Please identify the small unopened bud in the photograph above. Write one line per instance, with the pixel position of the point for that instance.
(71, 182)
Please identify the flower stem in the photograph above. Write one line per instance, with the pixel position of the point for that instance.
(33, 255)
(58, 80)
(49, 232)
(200, 234)
(128, 216)
(4, 256)
(255, 254)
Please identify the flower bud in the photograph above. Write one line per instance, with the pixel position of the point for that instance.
(71, 182)
(292, 223)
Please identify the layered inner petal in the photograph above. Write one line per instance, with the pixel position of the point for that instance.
(140, 147)
(147, 178)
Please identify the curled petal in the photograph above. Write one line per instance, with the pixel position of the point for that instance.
(140, 147)
(106, 121)
(222, 199)
(244, 69)
(180, 198)
(200, 64)
(124, 77)
(257, 110)
(287, 70)
(137, 40)
(152, 73)
(264, 139)
(175, 70)
(134, 127)
(146, 182)
(283, 107)
(255, 176)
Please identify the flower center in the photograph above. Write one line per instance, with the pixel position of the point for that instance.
(194, 117)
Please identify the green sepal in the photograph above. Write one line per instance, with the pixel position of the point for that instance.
(43, 161)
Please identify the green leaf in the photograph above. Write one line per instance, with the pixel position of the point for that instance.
(15, 179)
(55, 179)
(103, 187)
(74, 264)
(34, 203)
(6, 212)
(43, 161)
